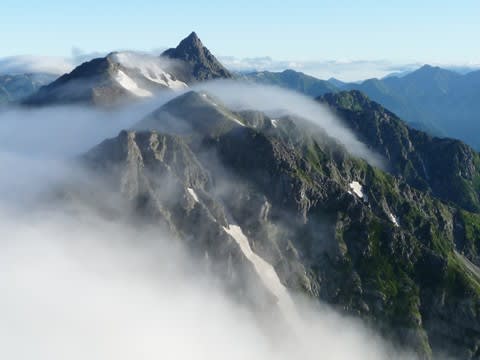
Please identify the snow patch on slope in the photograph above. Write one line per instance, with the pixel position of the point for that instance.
(266, 272)
(357, 189)
(393, 219)
(274, 122)
(193, 194)
(129, 84)
(235, 119)
(150, 67)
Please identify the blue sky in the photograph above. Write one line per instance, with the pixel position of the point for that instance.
(421, 31)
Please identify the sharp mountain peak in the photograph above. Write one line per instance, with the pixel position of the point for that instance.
(200, 63)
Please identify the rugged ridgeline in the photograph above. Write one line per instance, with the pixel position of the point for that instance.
(19, 86)
(446, 168)
(198, 62)
(242, 188)
(127, 76)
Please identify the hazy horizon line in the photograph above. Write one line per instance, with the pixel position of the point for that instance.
(347, 70)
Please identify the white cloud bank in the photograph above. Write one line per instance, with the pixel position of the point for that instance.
(84, 288)
(35, 64)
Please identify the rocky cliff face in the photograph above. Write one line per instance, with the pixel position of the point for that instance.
(164, 183)
(446, 168)
(331, 226)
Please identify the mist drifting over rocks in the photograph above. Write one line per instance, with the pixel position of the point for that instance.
(80, 283)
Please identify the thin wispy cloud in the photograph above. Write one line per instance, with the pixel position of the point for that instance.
(346, 70)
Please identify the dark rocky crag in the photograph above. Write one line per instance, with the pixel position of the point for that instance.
(200, 64)
(390, 253)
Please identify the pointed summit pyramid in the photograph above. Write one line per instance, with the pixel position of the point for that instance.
(200, 63)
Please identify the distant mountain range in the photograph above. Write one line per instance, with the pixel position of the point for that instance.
(439, 101)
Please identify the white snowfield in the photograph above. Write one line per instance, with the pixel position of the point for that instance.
(150, 67)
(193, 194)
(357, 188)
(274, 122)
(267, 274)
(129, 84)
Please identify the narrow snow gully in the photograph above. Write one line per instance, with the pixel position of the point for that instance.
(268, 276)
